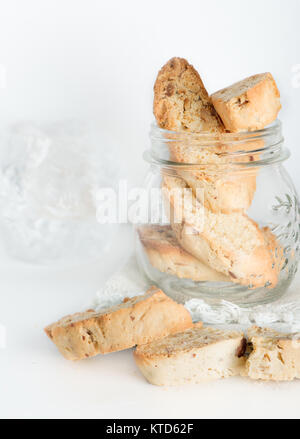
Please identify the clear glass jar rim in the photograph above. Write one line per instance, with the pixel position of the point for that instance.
(168, 135)
(271, 151)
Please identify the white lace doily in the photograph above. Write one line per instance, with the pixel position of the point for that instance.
(283, 314)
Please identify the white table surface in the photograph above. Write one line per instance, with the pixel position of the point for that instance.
(36, 381)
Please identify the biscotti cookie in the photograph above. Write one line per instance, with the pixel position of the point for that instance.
(275, 356)
(230, 243)
(193, 356)
(248, 105)
(181, 101)
(135, 321)
(222, 190)
(166, 255)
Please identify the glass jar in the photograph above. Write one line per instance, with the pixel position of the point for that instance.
(223, 216)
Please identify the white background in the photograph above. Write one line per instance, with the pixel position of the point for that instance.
(98, 59)
(89, 59)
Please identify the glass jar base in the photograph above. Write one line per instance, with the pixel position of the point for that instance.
(213, 293)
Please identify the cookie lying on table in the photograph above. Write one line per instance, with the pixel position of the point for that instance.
(138, 320)
(166, 255)
(275, 356)
(192, 356)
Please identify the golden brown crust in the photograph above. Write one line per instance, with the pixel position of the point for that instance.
(181, 101)
(135, 321)
(250, 104)
(166, 255)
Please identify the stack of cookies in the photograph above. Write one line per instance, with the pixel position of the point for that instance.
(214, 240)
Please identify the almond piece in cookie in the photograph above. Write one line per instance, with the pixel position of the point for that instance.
(166, 255)
(275, 356)
(250, 104)
(193, 356)
(138, 320)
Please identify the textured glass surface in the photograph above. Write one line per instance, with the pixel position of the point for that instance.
(49, 179)
(250, 210)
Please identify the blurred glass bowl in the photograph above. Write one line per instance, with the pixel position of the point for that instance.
(49, 178)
